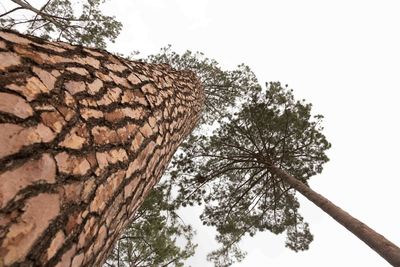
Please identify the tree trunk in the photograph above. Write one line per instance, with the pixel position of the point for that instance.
(84, 136)
(389, 251)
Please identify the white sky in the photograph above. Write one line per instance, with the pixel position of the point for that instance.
(342, 56)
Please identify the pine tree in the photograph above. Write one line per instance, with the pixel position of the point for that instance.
(85, 136)
(152, 237)
(253, 165)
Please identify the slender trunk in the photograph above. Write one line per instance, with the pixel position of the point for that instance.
(389, 251)
(84, 136)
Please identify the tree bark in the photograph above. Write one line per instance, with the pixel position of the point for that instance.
(389, 251)
(84, 136)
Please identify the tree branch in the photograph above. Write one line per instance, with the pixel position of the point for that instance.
(46, 16)
(12, 10)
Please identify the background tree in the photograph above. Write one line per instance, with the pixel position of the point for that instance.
(152, 238)
(223, 89)
(75, 22)
(248, 171)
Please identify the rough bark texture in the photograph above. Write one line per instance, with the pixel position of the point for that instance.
(389, 251)
(84, 136)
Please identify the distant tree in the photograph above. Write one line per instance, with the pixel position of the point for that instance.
(248, 171)
(223, 89)
(153, 236)
(72, 21)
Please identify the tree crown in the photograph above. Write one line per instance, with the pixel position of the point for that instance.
(229, 169)
(222, 88)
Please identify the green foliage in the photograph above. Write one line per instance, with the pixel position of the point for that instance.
(222, 88)
(228, 170)
(153, 236)
(77, 22)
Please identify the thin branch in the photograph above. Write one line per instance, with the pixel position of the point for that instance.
(245, 182)
(171, 261)
(246, 191)
(37, 14)
(12, 10)
(233, 158)
(39, 27)
(46, 16)
(111, 265)
(24, 21)
(243, 149)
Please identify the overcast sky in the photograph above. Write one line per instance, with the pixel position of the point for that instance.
(342, 56)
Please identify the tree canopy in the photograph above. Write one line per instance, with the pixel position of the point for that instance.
(223, 89)
(229, 170)
(76, 22)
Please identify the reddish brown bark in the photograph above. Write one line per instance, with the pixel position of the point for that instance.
(389, 251)
(84, 135)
